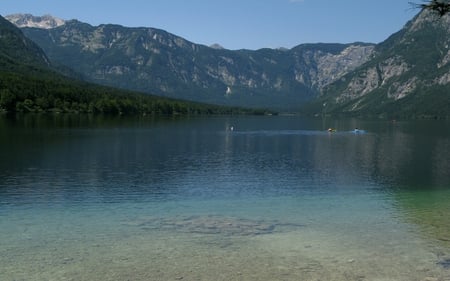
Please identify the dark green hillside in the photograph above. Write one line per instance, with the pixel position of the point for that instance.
(29, 83)
(15, 46)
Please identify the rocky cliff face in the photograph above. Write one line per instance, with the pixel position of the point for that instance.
(326, 66)
(27, 20)
(405, 72)
(155, 61)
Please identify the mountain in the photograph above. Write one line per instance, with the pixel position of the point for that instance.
(27, 20)
(16, 46)
(29, 82)
(407, 76)
(154, 61)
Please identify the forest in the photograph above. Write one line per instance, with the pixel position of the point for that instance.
(22, 93)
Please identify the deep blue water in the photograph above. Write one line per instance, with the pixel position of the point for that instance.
(276, 198)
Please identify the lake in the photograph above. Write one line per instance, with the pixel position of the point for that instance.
(276, 198)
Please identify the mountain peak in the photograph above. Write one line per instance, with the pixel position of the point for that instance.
(28, 20)
(217, 46)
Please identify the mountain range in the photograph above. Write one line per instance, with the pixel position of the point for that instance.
(31, 82)
(155, 61)
(407, 75)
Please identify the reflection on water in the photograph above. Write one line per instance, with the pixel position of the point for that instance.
(277, 198)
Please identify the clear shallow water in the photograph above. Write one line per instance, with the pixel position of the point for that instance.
(278, 198)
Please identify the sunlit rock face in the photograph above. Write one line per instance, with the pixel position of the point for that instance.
(408, 70)
(27, 20)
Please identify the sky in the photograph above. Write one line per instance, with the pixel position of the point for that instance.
(238, 24)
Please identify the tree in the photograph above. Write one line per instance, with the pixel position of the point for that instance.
(442, 7)
(7, 100)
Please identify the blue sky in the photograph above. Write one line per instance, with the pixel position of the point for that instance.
(238, 24)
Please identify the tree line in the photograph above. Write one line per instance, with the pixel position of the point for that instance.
(25, 93)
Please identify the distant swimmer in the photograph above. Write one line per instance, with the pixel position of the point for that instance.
(232, 128)
(331, 130)
(358, 131)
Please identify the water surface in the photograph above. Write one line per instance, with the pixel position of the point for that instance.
(277, 198)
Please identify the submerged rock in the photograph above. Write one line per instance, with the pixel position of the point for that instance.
(229, 226)
(444, 263)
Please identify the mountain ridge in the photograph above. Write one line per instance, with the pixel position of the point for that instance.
(28, 20)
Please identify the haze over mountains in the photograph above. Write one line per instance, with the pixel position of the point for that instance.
(406, 75)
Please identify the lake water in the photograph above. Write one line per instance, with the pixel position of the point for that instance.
(277, 198)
